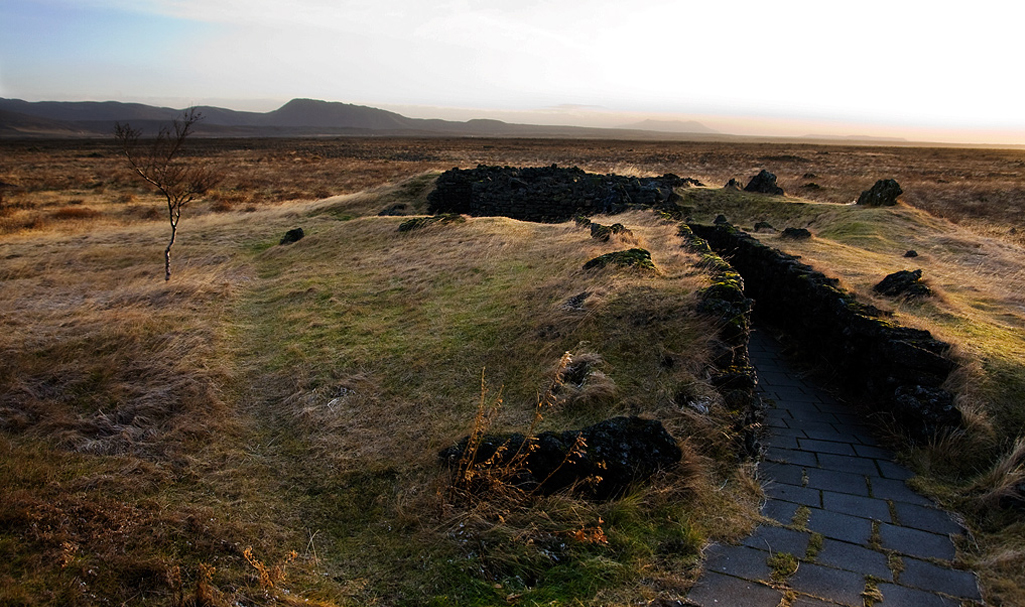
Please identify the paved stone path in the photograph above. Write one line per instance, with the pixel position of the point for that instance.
(859, 534)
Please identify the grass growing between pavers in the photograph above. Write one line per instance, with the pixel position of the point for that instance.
(979, 307)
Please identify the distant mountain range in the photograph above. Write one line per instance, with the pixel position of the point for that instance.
(299, 117)
(671, 126)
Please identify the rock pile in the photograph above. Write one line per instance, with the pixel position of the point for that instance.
(883, 194)
(549, 193)
(764, 183)
(600, 460)
(795, 234)
(905, 283)
(636, 258)
(293, 235)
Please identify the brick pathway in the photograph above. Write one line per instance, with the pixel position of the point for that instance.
(841, 508)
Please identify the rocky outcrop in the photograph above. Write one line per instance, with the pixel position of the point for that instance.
(795, 234)
(600, 460)
(875, 358)
(632, 258)
(549, 193)
(883, 194)
(604, 233)
(905, 283)
(764, 183)
(293, 235)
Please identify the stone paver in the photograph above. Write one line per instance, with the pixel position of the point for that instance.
(778, 539)
(841, 482)
(739, 561)
(925, 518)
(801, 458)
(902, 596)
(926, 576)
(780, 511)
(856, 505)
(889, 489)
(844, 587)
(822, 462)
(852, 557)
(915, 542)
(838, 526)
(844, 463)
(794, 493)
(717, 590)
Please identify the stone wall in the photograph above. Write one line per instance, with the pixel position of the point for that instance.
(731, 372)
(548, 193)
(897, 369)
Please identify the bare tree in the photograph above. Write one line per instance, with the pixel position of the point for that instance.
(161, 165)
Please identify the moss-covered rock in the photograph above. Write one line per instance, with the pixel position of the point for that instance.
(635, 258)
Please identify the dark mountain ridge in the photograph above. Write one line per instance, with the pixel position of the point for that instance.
(298, 117)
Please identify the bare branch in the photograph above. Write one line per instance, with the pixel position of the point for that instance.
(161, 166)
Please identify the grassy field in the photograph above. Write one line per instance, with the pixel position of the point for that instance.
(264, 428)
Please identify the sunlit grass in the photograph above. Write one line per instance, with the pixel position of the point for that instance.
(294, 397)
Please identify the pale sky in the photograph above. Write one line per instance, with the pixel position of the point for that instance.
(937, 71)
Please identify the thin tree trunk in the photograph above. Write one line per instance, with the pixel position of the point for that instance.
(167, 253)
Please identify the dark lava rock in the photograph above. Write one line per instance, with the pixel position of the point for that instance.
(549, 193)
(615, 453)
(639, 258)
(294, 235)
(911, 253)
(924, 411)
(905, 282)
(720, 220)
(795, 234)
(600, 232)
(883, 194)
(733, 184)
(394, 210)
(764, 226)
(811, 186)
(577, 301)
(764, 183)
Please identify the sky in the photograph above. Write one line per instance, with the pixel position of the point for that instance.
(923, 71)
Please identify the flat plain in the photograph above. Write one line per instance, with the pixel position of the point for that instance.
(263, 428)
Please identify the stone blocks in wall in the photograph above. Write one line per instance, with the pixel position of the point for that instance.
(876, 358)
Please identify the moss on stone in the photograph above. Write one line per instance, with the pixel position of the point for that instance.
(636, 258)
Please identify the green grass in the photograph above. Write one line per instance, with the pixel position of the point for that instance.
(360, 347)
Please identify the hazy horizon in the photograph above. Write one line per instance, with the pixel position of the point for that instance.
(883, 70)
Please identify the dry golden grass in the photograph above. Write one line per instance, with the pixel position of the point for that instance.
(979, 188)
(293, 397)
